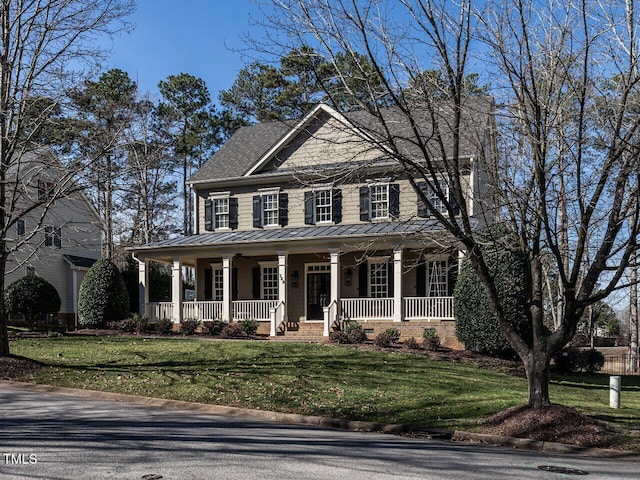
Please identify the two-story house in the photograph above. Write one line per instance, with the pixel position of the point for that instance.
(57, 240)
(300, 224)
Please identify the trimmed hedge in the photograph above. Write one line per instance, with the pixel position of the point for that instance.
(476, 325)
(103, 295)
(31, 296)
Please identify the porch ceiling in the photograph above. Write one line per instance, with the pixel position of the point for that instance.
(295, 238)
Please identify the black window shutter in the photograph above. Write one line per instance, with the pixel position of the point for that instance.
(21, 226)
(337, 205)
(208, 284)
(421, 279)
(234, 283)
(256, 283)
(309, 208)
(283, 206)
(208, 215)
(390, 283)
(233, 213)
(257, 211)
(363, 280)
(423, 211)
(452, 272)
(365, 214)
(394, 200)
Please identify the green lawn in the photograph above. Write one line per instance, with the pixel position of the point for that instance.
(308, 378)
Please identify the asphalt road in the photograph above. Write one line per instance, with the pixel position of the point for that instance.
(52, 436)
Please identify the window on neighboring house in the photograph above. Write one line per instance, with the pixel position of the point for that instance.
(20, 227)
(379, 201)
(30, 271)
(270, 209)
(269, 282)
(221, 212)
(323, 206)
(53, 236)
(45, 190)
(435, 200)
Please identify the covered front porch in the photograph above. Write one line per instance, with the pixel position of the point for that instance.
(304, 285)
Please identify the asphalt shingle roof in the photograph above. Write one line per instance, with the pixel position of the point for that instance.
(243, 150)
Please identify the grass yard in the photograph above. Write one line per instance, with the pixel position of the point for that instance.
(308, 379)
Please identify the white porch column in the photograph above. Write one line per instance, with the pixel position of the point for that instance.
(74, 276)
(282, 281)
(397, 285)
(227, 313)
(334, 288)
(143, 285)
(176, 289)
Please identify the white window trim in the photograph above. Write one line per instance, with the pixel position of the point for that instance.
(436, 258)
(377, 261)
(219, 196)
(315, 207)
(264, 265)
(375, 184)
(270, 191)
(431, 193)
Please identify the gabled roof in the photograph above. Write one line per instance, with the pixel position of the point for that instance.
(252, 147)
(241, 151)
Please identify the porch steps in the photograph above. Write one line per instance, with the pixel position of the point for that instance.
(302, 332)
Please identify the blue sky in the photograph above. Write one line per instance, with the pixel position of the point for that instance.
(185, 36)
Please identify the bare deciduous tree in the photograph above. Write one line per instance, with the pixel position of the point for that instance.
(45, 44)
(564, 163)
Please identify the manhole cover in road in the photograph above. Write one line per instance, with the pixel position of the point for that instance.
(151, 476)
(565, 470)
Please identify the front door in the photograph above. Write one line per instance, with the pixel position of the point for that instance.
(318, 294)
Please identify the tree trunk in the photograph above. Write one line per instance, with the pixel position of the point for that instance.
(633, 317)
(537, 369)
(4, 334)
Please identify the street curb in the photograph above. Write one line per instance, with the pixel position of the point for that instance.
(327, 422)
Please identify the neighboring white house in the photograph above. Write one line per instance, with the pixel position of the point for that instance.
(300, 224)
(59, 245)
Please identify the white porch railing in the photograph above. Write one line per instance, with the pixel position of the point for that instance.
(208, 310)
(160, 310)
(256, 309)
(367, 308)
(277, 317)
(421, 308)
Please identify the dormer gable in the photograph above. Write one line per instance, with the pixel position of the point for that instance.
(323, 137)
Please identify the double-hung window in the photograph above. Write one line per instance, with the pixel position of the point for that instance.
(323, 205)
(221, 212)
(436, 199)
(53, 237)
(270, 208)
(379, 201)
(45, 190)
